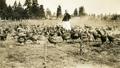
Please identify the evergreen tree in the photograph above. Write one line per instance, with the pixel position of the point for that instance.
(3, 7)
(15, 13)
(75, 12)
(59, 11)
(18, 11)
(9, 12)
(27, 11)
(2, 4)
(35, 9)
(81, 11)
(42, 12)
(26, 14)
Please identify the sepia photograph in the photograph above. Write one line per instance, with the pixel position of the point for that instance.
(59, 33)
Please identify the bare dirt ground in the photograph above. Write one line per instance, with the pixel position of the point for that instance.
(61, 55)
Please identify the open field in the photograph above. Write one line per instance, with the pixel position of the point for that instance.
(44, 54)
(79, 21)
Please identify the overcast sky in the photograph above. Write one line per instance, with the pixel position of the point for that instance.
(91, 6)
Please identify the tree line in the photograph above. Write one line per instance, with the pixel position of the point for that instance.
(80, 12)
(32, 10)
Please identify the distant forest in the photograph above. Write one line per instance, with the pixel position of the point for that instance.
(32, 10)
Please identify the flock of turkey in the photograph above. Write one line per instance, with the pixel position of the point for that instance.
(23, 33)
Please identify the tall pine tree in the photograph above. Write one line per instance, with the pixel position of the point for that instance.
(59, 11)
(75, 12)
(27, 12)
(15, 13)
(42, 12)
(9, 13)
(3, 7)
(35, 9)
(18, 11)
(3, 4)
(81, 11)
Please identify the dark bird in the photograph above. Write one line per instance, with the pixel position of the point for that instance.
(110, 38)
(103, 38)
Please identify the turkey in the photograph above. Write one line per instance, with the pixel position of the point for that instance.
(21, 39)
(74, 35)
(3, 35)
(66, 35)
(103, 39)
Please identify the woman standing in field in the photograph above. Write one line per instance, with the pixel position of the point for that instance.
(66, 21)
